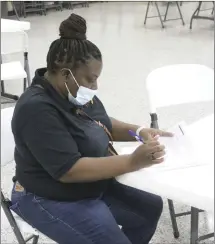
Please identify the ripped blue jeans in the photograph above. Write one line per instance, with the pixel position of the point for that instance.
(93, 221)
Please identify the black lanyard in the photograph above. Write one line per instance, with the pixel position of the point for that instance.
(111, 148)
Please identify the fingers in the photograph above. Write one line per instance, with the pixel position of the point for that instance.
(158, 161)
(165, 133)
(156, 137)
(158, 155)
(157, 148)
(153, 143)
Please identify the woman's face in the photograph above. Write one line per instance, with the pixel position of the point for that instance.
(86, 75)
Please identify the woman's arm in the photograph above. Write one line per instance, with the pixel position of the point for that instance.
(120, 130)
(94, 169)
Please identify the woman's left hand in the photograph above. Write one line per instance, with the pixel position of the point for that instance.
(150, 133)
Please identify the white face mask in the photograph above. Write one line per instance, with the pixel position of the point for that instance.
(84, 94)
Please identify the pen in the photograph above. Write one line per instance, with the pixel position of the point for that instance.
(133, 134)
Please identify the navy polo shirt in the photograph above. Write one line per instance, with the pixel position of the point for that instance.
(50, 138)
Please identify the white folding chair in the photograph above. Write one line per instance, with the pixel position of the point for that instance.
(14, 70)
(173, 85)
(18, 225)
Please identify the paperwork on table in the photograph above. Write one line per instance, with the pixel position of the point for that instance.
(180, 152)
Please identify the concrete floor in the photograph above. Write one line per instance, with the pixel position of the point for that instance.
(130, 51)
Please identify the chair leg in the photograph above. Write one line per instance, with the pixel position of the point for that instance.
(159, 15)
(200, 3)
(24, 84)
(11, 220)
(147, 10)
(195, 14)
(24, 10)
(179, 10)
(213, 9)
(2, 87)
(194, 225)
(7, 95)
(173, 219)
(15, 10)
(167, 8)
(35, 239)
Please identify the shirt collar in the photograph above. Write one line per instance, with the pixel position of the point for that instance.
(39, 79)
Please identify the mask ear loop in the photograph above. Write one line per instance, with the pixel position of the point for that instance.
(66, 86)
(72, 76)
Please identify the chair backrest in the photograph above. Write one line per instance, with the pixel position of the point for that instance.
(14, 42)
(7, 139)
(178, 84)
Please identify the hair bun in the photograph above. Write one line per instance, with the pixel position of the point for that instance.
(73, 28)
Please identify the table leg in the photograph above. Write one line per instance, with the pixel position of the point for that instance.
(173, 219)
(194, 225)
(205, 237)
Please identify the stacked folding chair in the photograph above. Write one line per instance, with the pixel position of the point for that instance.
(14, 70)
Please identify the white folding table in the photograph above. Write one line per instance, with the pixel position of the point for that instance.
(8, 25)
(193, 186)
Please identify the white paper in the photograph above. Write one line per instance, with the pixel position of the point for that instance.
(179, 150)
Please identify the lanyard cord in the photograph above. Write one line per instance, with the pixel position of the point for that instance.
(110, 148)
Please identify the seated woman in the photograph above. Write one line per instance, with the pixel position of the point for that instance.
(65, 164)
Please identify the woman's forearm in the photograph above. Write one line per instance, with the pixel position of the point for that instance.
(120, 130)
(94, 169)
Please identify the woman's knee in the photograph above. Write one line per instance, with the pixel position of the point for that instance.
(159, 207)
(153, 208)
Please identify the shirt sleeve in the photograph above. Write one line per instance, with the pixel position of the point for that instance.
(49, 141)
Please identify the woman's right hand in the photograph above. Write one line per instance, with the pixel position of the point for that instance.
(146, 155)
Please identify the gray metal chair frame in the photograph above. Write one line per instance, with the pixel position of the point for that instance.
(72, 4)
(33, 7)
(197, 16)
(165, 15)
(3, 93)
(7, 95)
(194, 237)
(26, 82)
(6, 203)
(15, 10)
(58, 5)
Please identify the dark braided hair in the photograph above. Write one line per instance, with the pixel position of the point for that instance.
(72, 48)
